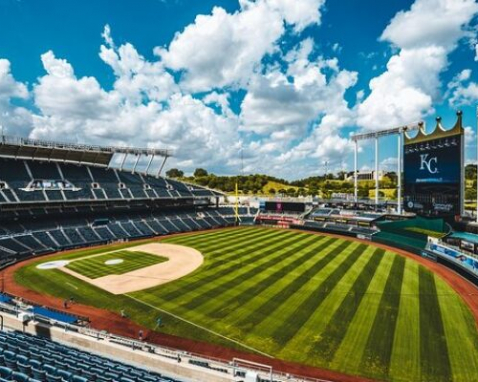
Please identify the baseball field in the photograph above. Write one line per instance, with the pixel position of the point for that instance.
(317, 300)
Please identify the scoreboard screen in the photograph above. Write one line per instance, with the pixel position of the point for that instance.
(284, 206)
(433, 176)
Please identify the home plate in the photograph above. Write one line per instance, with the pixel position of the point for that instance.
(113, 261)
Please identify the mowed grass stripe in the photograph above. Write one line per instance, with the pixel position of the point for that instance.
(257, 276)
(464, 364)
(434, 359)
(211, 248)
(208, 246)
(305, 310)
(190, 287)
(405, 361)
(337, 327)
(95, 266)
(251, 269)
(350, 353)
(207, 276)
(214, 234)
(220, 252)
(92, 271)
(258, 315)
(198, 238)
(198, 242)
(378, 351)
(257, 288)
(204, 235)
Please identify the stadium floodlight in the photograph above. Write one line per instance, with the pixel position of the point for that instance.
(376, 135)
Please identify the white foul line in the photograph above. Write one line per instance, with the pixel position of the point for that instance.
(199, 326)
(72, 285)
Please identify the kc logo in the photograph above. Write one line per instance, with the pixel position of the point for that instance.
(425, 162)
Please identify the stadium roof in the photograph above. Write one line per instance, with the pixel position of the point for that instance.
(26, 148)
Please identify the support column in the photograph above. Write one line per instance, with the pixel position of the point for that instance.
(124, 160)
(162, 166)
(399, 174)
(376, 171)
(149, 164)
(136, 163)
(355, 172)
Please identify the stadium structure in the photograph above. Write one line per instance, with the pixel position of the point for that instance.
(121, 274)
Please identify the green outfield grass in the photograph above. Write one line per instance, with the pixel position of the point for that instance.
(312, 299)
(93, 266)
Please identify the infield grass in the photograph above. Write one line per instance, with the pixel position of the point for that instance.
(313, 299)
(96, 266)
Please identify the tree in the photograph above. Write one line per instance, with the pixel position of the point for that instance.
(272, 191)
(313, 191)
(470, 171)
(174, 173)
(470, 194)
(200, 172)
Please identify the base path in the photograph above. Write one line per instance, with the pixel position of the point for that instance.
(113, 323)
(181, 261)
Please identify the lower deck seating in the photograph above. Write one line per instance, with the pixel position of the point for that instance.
(27, 358)
(56, 235)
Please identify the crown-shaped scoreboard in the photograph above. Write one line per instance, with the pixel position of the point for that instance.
(434, 171)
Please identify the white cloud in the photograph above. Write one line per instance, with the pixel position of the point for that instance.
(9, 88)
(300, 13)
(59, 93)
(389, 164)
(424, 35)
(137, 79)
(224, 49)
(470, 137)
(461, 91)
(303, 94)
(79, 109)
(14, 119)
(430, 23)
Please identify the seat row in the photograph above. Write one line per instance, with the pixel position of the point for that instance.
(27, 358)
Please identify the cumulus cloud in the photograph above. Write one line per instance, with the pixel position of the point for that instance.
(12, 118)
(470, 136)
(430, 23)
(280, 101)
(292, 112)
(136, 78)
(424, 36)
(224, 49)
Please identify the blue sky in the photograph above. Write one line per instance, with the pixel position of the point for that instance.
(286, 80)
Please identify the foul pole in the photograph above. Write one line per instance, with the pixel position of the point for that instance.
(399, 173)
(376, 172)
(355, 172)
